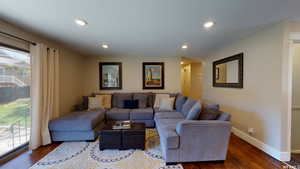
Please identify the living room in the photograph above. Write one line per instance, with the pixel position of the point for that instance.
(69, 77)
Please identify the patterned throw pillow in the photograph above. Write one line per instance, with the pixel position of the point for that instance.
(105, 101)
(94, 103)
(166, 104)
(158, 97)
(142, 98)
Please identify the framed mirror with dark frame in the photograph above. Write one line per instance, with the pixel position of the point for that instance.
(228, 72)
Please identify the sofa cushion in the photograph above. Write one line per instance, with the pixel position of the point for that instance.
(142, 98)
(78, 121)
(187, 106)
(105, 100)
(180, 100)
(209, 114)
(169, 138)
(167, 132)
(168, 115)
(118, 114)
(166, 104)
(224, 116)
(94, 103)
(158, 97)
(118, 99)
(141, 114)
(167, 123)
(156, 110)
(206, 107)
(194, 112)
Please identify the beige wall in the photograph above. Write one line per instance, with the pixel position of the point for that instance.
(296, 99)
(258, 105)
(132, 73)
(71, 74)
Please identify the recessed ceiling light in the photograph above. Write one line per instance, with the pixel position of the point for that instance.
(80, 22)
(105, 46)
(208, 24)
(184, 46)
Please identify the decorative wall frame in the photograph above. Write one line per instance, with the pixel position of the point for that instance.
(240, 74)
(153, 75)
(110, 75)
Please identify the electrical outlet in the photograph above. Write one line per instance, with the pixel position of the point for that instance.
(251, 131)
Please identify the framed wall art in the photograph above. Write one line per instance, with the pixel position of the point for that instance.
(110, 75)
(153, 75)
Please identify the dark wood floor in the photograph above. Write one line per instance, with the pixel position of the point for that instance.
(241, 155)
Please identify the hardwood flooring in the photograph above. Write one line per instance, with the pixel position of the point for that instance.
(241, 155)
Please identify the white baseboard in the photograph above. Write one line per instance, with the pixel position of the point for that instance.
(296, 151)
(282, 156)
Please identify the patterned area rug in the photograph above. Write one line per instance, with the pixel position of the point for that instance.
(86, 155)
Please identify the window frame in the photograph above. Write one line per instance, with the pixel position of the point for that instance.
(18, 149)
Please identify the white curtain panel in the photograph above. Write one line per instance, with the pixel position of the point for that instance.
(44, 93)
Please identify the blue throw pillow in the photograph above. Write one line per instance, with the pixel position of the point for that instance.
(131, 104)
(194, 112)
(180, 100)
(186, 107)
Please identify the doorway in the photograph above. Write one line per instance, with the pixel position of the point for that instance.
(295, 112)
(191, 78)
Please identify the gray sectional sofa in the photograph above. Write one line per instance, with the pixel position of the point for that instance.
(192, 132)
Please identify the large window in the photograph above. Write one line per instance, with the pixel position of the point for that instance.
(15, 102)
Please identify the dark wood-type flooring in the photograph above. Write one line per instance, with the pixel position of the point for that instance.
(241, 155)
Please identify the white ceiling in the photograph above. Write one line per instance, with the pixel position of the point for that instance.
(146, 27)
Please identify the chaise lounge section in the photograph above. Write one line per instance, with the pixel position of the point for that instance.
(77, 126)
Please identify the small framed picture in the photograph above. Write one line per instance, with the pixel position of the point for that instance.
(110, 74)
(153, 75)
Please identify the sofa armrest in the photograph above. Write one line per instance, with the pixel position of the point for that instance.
(189, 125)
(205, 139)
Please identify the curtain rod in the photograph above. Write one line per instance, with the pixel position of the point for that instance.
(13, 36)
